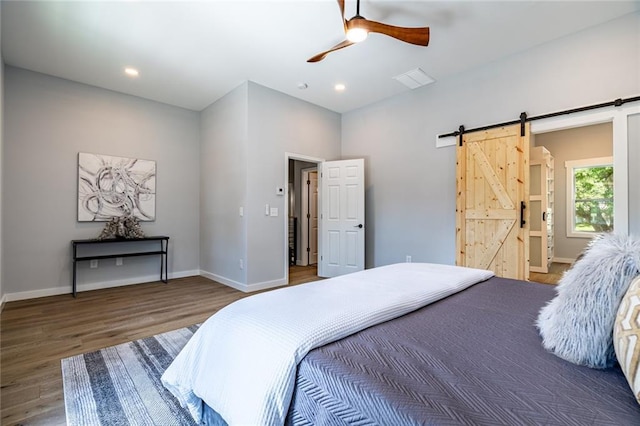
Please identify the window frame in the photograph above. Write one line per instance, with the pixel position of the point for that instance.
(571, 166)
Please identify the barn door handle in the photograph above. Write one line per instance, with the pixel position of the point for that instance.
(522, 207)
(544, 216)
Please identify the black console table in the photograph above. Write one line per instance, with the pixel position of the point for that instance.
(163, 252)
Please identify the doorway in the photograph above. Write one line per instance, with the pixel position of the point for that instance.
(568, 146)
(618, 117)
(341, 224)
(302, 226)
(309, 218)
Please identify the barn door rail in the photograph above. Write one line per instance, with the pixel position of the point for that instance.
(523, 117)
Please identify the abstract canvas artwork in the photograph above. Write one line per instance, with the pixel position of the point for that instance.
(114, 187)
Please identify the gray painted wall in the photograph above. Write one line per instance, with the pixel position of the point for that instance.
(223, 186)
(279, 124)
(410, 184)
(47, 122)
(566, 145)
(634, 174)
(245, 136)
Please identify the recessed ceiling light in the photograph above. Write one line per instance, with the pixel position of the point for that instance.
(132, 72)
(339, 87)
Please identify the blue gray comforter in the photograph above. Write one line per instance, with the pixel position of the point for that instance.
(473, 358)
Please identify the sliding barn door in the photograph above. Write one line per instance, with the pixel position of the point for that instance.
(492, 230)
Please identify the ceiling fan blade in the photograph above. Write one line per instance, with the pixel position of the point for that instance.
(321, 56)
(419, 36)
(344, 22)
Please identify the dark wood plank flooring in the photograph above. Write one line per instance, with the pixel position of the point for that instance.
(36, 334)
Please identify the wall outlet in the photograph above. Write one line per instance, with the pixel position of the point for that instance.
(93, 264)
(118, 261)
(408, 259)
(241, 263)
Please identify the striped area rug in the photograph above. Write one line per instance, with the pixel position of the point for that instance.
(120, 385)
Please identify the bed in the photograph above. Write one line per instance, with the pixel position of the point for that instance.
(473, 356)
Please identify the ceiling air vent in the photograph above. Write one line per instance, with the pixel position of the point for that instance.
(414, 78)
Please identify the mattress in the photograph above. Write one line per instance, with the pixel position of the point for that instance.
(472, 358)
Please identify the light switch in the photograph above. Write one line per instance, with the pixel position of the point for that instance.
(241, 211)
(266, 209)
(274, 211)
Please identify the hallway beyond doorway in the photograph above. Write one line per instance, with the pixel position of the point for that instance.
(303, 274)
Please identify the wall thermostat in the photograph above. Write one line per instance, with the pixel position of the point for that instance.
(279, 190)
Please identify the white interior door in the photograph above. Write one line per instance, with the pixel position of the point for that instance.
(342, 217)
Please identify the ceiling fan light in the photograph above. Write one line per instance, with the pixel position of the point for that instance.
(356, 35)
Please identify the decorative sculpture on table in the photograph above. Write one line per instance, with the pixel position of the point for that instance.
(122, 227)
(115, 187)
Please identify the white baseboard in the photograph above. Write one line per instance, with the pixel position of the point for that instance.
(267, 284)
(563, 260)
(245, 288)
(23, 295)
(226, 281)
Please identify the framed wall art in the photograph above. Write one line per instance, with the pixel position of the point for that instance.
(114, 187)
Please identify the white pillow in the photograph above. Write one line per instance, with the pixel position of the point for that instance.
(577, 325)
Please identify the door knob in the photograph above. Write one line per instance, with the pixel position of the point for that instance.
(358, 226)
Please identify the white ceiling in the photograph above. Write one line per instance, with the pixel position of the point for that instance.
(192, 53)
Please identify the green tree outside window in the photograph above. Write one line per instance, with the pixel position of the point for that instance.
(593, 205)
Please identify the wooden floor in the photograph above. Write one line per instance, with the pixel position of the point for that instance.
(303, 274)
(553, 277)
(36, 334)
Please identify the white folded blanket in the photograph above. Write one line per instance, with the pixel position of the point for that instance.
(242, 361)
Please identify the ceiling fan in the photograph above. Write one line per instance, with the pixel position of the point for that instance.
(357, 28)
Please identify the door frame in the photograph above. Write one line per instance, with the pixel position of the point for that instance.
(304, 226)
(309, 159)
(618, 116)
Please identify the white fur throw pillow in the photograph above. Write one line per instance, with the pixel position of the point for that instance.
(577, 324)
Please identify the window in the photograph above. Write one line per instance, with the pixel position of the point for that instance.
(589, 196)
